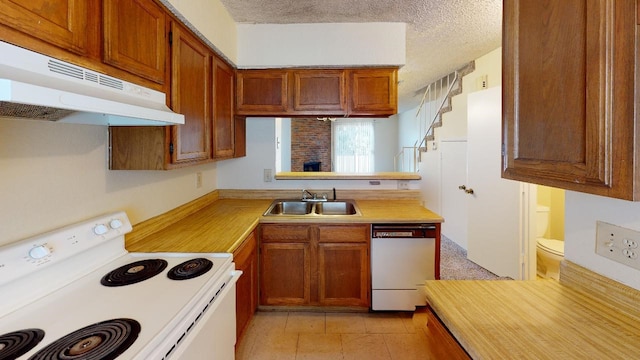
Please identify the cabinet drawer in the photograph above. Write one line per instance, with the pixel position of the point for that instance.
(344, 233)
(284, 233)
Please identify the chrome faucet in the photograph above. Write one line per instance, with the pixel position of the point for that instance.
(314, 196)
(305, 192)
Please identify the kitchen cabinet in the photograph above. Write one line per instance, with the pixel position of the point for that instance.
(569, 78)
(134, 37)
(246, 259)
(373, 92)
(308, 92)
(315, 264)
(191, 87)
(62, 23)
(318, 92)
(441, 344)
(202, 90)
(223, 118)
(262, 92)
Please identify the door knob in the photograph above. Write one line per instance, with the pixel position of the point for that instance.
(462, 187)
(469, 191)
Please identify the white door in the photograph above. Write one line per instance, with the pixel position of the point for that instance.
(495, 207)
(454, 200)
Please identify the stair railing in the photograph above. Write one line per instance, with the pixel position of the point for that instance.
(434, 99)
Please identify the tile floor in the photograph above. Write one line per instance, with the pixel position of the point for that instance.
(319, 335)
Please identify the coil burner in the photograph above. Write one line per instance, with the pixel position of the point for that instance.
(104, 340)
(17, 343)
(134, 272)
(190, 269)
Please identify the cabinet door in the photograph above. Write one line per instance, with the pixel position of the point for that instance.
(246, 259)
(223, 120)
(61, 23)
(568, 92)
(262, 92)
(134, 37)
(343, 274)
(285, 274)
(319, 92)
(191, 96)
(373, 92)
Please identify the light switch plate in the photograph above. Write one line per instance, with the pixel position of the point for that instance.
(618, 244)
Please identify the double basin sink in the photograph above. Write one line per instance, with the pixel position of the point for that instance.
(312, 208)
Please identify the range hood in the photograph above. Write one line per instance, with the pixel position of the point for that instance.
(35, 86)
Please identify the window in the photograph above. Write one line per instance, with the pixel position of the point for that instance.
(353, 143)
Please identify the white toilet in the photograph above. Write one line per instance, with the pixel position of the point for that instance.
(549, 252)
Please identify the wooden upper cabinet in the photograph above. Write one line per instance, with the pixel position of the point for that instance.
(191, 96)
(308, 92)
(319, 92)
(568, 95)
(373, 92)
(62, 23)
(134, 34)
(262, 92)
(223, 118)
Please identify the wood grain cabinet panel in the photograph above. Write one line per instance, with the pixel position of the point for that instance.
(343, 274)
(134, 34)
(315, 265)
(285, 273)
(223, 118)
(191, 96)
(440, 343)
(569, 95)
(262, 92)
(319, 92)
(61, 23)
(246, 259)
(373, 92)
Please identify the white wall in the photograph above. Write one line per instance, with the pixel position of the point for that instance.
(55, 174)
(581, 213)
(212, 20)
(282, 45)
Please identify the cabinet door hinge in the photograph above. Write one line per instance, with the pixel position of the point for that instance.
(171, 148)
(170, 38)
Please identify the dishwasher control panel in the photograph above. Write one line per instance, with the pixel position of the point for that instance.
(403, 231)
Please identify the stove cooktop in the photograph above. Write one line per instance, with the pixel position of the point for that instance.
(150, 308)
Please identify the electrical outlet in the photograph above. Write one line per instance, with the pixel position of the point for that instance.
(482, 82)
(267, 175)
(198, 180)
(618, 244)
(403, 185)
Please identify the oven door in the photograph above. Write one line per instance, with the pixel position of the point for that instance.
(213, 335)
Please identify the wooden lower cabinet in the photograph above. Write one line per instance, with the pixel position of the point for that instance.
(314, 265)
(246, 259)
(441, 344)
(285, 274)
(343, 274)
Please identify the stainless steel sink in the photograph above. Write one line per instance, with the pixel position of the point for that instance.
(289, 207)
(336, 208)
(282, 207)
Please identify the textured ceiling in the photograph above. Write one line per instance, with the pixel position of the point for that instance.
(442, 35)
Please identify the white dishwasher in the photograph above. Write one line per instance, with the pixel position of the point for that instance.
(403, 256)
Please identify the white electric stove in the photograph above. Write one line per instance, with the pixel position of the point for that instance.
(76, 293)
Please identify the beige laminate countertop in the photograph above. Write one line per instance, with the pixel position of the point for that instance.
(541, 319)
(225, 223)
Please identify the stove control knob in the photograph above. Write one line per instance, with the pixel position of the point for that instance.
(115, 223)
(100, 229)
(39, 252)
